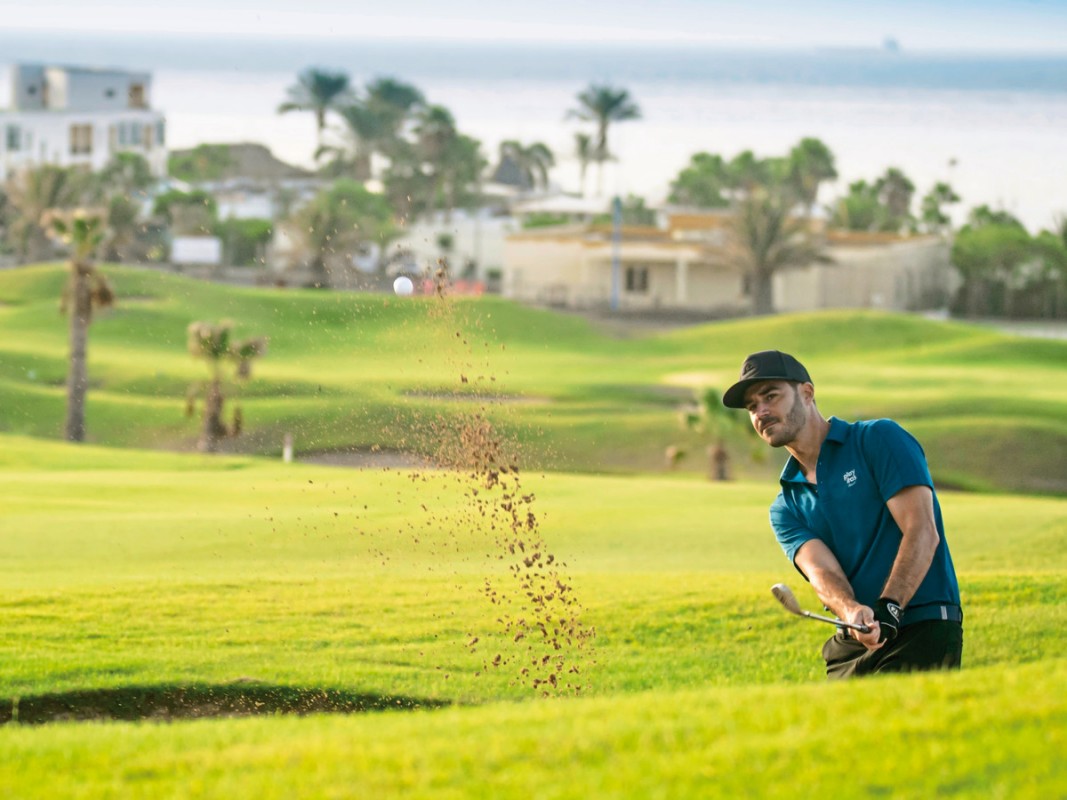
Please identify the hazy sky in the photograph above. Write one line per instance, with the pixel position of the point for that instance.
(1015, 25)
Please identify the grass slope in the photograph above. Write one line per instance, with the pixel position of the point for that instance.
(229, 580)
(969, 737)
(349, 371)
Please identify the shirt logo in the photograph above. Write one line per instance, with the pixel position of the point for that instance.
(850, 477)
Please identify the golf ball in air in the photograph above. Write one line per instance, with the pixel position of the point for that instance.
(403, 286)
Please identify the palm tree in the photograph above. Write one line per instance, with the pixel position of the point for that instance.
(125, 173)
(859, 209)
(86, 289)
(708, 416)
(932, 207)
(532, 161)
(746, 170)
(405, 182)
(583, 149)
(895, 191)
(434, 167)
(213, 343)
(366, 130)
(31, 195)
(394, 100)
(123, 224)
(810, 164)
(603, 105)
(764, 237)
(318, 91)
(435, 145)
(459, 170)
(374, 124)
(434, 130)
(122, 178)
(337, 220)
(703, 183)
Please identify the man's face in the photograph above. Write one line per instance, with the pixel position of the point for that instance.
(777, 410)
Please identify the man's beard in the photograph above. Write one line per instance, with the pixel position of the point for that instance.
(786, 430)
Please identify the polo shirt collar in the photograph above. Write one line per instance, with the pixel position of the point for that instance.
(838, 430)
(791, 472)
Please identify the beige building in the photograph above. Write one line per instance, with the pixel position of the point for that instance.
(871, 270)
(682, 266)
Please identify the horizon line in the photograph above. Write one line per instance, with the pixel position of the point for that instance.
(689, 42)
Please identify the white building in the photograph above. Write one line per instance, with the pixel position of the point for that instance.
(79, 116)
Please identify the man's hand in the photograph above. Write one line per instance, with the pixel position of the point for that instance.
(864, 615)
(887, 613)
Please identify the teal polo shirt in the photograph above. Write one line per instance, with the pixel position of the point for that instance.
(861, 466)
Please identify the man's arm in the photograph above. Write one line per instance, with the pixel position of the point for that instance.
(913, 510)
(821, 567)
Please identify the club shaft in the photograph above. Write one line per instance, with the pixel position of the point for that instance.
(839, 622)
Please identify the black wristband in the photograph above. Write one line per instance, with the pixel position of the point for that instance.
(888, 614)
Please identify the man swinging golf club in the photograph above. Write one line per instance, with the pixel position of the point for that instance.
(858, 516)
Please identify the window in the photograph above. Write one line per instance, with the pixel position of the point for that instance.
(81, 139)
(637, 280)
(161, 130)
(137, 95)
(13, 138)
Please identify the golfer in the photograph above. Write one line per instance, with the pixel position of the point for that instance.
(859, 518)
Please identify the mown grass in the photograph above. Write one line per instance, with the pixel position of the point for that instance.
(350, 371)
(145, 584)
(129, 573)
(772, 741)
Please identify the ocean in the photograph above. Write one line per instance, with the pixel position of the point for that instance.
(994, 126)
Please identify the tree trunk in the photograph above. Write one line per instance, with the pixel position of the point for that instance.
(362, 167)
(974, 298)
(35, 246)
(213, 428)
(718, 462)
(81, 309)
(762, 293)
(319, 272)
(1009, 301)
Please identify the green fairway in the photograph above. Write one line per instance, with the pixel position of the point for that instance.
(130, 573)
(361, 372)
(559, 615)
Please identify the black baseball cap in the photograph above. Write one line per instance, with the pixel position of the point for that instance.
(766, 365)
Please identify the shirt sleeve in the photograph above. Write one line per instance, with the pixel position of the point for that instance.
(789, 529)
(895, 458)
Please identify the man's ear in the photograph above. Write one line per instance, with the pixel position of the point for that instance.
(807, 390)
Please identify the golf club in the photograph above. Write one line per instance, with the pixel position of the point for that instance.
(785, 596)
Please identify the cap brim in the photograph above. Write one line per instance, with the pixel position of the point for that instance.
(734, 397)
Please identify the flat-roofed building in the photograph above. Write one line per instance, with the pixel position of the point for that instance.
(82, 116)
(683, 264)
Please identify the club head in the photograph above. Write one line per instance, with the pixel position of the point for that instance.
(785, 596)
